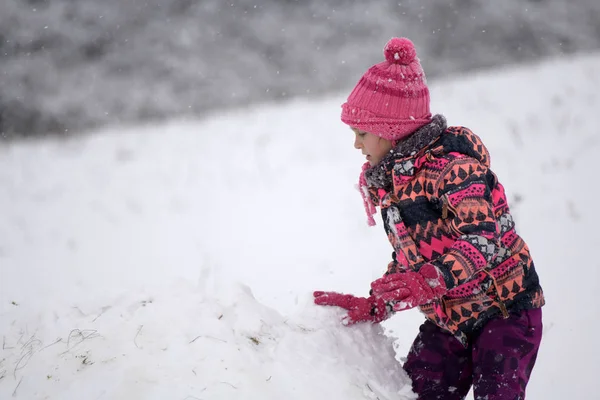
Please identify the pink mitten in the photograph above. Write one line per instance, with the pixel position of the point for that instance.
(360, 309)
(410, 289)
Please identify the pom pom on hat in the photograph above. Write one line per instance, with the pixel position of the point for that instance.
(400, 51)
(391, 100)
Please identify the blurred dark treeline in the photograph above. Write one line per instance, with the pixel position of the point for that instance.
(70, 65)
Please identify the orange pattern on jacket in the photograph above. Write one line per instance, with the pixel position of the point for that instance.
(447, 208)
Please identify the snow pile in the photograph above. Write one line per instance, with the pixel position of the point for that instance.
(177, 261)
(185, 342)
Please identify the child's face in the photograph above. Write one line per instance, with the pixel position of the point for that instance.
(372, 146)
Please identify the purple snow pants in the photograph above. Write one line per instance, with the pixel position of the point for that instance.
(497, 362)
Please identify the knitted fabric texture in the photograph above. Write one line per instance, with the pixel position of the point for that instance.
(364, 192)
(391, 100)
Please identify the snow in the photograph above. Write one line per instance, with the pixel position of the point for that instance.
(193, 341)
(177, 260)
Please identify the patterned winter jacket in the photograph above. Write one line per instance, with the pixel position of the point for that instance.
(441, 204)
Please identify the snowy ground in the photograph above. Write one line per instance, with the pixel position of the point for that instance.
(177, 261)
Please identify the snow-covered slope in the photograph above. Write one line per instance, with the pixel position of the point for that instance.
(177, 261)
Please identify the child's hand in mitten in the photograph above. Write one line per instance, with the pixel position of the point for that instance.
(410, 289)
(360, 309)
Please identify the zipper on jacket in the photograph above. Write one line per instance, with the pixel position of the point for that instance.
(446, 206)
(444, 210)
(501, 304)
(503, 308)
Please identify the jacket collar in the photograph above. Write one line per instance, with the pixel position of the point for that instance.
(407, 150)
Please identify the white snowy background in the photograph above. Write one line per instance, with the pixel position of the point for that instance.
(177, 260)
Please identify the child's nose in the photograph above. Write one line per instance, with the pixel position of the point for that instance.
(357, 142)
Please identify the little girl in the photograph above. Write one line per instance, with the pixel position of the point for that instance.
(457, 255)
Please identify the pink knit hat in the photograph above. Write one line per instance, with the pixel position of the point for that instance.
(391, 100)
